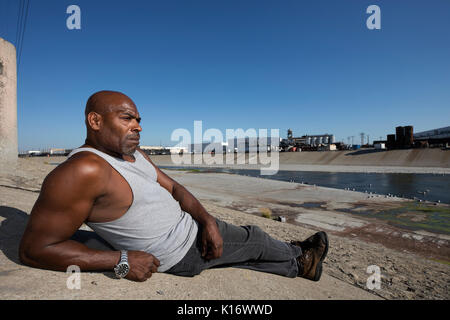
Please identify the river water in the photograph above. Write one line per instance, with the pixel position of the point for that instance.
(429, 187)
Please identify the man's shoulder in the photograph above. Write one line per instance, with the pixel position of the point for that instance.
(145, 155)
(138, 149)
(85, 166)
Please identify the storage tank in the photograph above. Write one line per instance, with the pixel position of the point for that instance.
(400, 137)
(332, 139)
(409, 136)
(308, 141)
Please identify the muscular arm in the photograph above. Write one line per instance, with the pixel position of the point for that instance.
(65, 201)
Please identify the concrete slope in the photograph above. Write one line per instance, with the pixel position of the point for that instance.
(407, 158)
(22, 282)
(393, 158)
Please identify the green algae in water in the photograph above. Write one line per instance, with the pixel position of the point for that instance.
(441, 261)
(417, 217)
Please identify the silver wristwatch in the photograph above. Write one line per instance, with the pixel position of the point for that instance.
(122, 268)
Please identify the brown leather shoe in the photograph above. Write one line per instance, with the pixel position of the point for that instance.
(314, 251)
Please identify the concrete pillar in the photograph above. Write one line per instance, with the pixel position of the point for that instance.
(8, 104)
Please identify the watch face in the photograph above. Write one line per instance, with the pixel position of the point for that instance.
(122, 269)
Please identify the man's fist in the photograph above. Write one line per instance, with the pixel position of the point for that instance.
(212, 242)
(142, 265)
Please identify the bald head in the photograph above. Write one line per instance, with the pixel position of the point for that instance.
(105, 101)
(112, 122)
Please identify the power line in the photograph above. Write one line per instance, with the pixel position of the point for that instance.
(18, 24)
(21, 27)
(23, 32)
(6, 18)
(4, 24)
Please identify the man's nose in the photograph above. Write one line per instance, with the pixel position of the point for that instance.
(137, 126)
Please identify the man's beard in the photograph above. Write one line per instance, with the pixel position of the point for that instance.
(129, 151)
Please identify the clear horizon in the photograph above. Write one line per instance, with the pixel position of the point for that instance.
(313, 67)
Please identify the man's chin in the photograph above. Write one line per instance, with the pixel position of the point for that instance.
(129, 151)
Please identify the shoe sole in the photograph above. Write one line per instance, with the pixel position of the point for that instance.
(318, 273)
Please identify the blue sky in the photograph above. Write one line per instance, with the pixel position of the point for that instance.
(312, 66)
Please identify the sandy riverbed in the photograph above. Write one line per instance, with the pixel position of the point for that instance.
(407, 259)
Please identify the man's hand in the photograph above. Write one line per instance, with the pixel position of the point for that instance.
(142, 265)
(212, 242)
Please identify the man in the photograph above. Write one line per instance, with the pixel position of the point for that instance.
(153, 223)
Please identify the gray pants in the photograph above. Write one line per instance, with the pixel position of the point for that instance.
(243, 247)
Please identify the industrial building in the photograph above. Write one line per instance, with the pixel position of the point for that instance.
(328, 147)
(54, 152)
(238, 145)
(253, 144)
(317, 140)
(437, 137)
(163, 150)
(308, 142)
(405, 138)
(207, 147)
(154, 150)
(379, 146)
(58, 152)
(402, 139)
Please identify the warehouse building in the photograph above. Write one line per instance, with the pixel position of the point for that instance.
(437, 137)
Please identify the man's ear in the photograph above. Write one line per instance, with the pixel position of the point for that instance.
(94, 120)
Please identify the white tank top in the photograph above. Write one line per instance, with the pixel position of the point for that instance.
(155, 222)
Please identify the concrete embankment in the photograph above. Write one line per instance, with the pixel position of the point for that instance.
(370, 157)
(364, 160)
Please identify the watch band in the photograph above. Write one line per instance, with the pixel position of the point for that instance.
(123, 256)
(122, 268)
